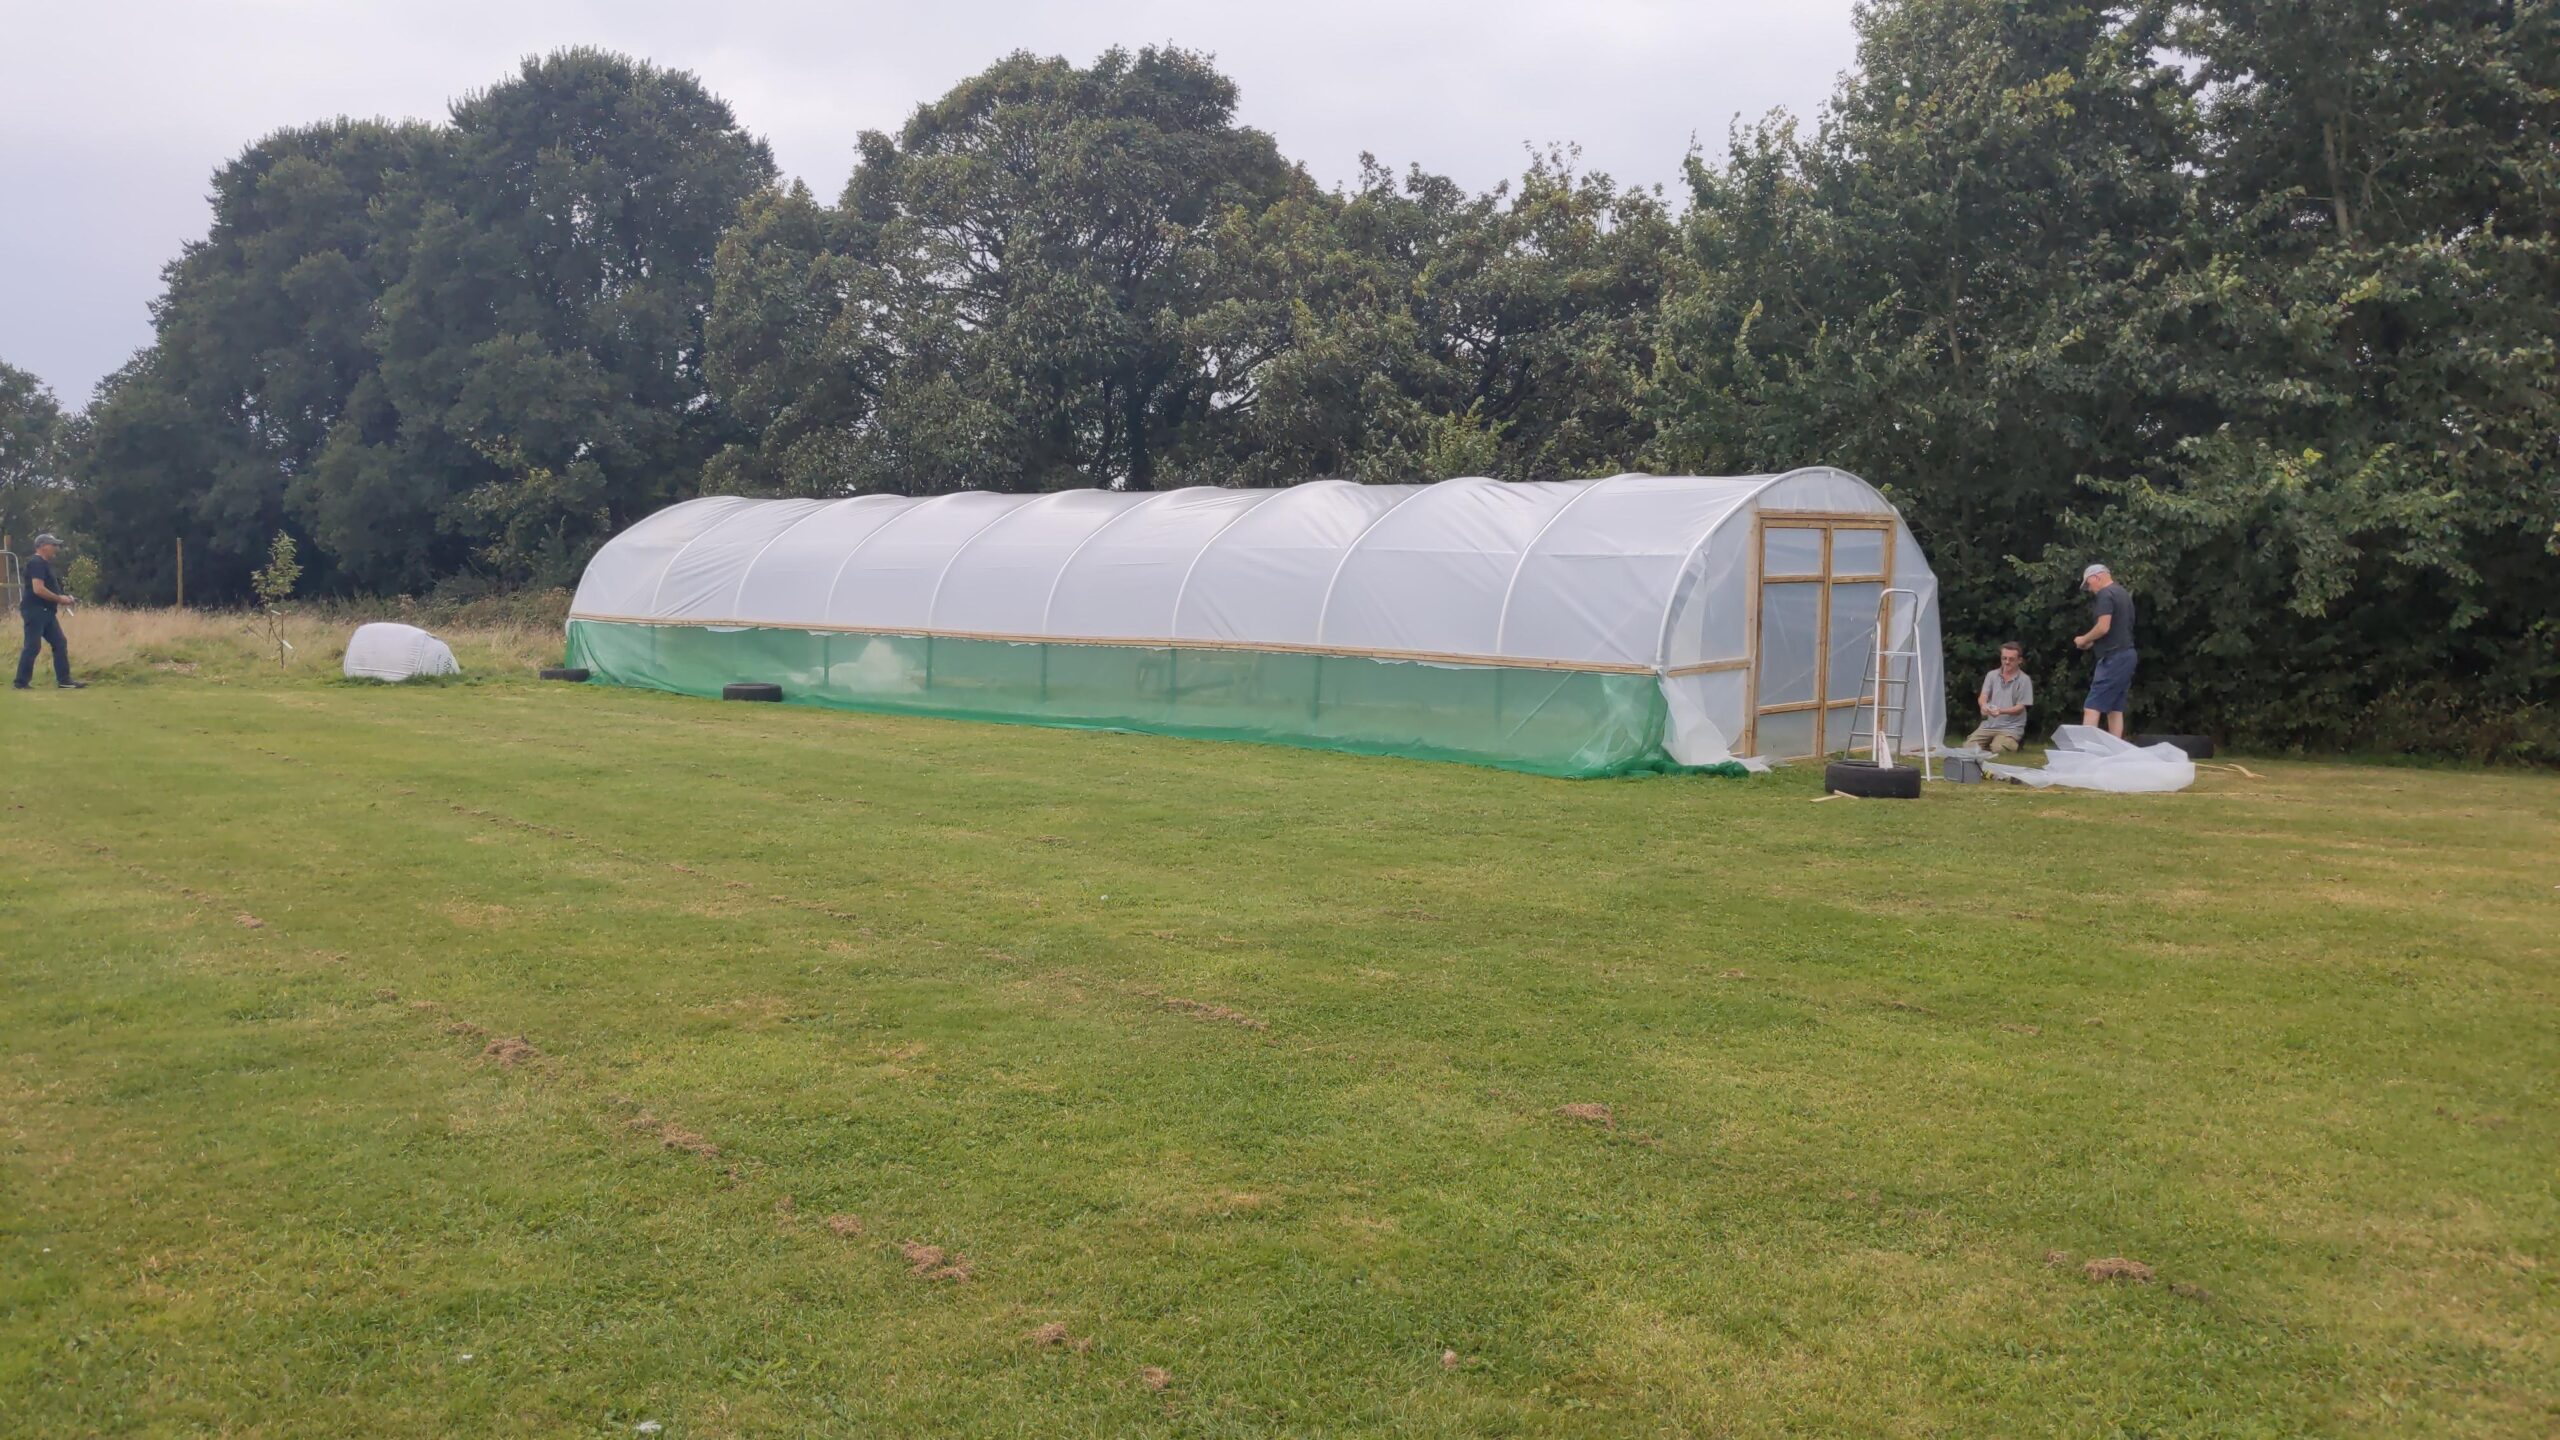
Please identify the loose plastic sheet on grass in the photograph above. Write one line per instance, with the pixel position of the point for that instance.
(2084, 757)
(1529, 625)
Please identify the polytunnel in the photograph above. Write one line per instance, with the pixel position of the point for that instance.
(1571, 627)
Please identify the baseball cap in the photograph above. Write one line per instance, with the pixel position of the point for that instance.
(2095, 570)
(48, 538)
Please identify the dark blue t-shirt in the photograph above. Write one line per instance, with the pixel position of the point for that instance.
(38, 568)
(2113, 601)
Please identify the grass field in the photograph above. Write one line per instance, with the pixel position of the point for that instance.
(497, 1057)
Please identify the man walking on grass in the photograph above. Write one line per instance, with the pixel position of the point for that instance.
(2006, 694)
(39, 610)
(2110, 636)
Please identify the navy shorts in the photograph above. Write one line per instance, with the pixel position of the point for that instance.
(2111, 683)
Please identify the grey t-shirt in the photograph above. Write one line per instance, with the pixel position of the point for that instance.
(2005, 691)
(2114, 601)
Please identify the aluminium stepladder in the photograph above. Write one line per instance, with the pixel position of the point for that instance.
(1894, 676)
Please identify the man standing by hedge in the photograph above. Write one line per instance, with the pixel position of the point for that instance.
(39, 609)
(2110, 635)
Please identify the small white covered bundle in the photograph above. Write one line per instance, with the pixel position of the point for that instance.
(2087, 758)
(387, 651)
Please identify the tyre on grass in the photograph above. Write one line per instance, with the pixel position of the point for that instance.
(1870, 781)
(751, 690)
(2198, 747)
(575, 674)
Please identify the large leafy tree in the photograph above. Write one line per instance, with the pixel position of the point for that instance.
(1061, 276)
(1536, 307)
(433, 349)
(263, 334)
(1010, 293)
(2249, 297)
(1411, 329)
(1939, 287)
(2359, 544)
(35, 446)
(540, 377)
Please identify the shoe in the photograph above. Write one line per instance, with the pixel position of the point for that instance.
(72, 685)
(21, 687)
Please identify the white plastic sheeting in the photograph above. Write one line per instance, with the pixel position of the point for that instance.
(387, 651)
(1630, 573)
(2084, 757)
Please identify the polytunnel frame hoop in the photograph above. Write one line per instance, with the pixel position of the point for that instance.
(1324, 611)
(1057, 581)
(836, 582)
(728, 512)
(1173, 622)
(933, 602)
(1671, 599)
(747, 571)
(1502, 617)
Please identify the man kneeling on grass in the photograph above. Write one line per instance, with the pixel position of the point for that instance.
(2006, 694)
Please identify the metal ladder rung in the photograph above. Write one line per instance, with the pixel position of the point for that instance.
(1889, 690)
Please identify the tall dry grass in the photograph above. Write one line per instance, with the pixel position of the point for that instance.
(110, 640)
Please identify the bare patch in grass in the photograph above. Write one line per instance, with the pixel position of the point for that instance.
(748, 1010)
(1906, 1005)
(845, 1224)
(510, 1052)
(1204, 1010)
(2022, 1029)
(1448, 1359)
(1590, 1112)
(932, 1262)
(2116, 1267)
(1733, 975)
(464, 1027)
(1055, 1335)
(2185, 1291)
(247, 921)
(1154, 1377)
(386, 994)
(673, 1136)
(676, 1137)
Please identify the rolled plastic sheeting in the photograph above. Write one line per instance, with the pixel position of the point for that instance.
(394, 652)
(2084, 757)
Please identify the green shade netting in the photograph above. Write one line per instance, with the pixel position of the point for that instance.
(1570, 723)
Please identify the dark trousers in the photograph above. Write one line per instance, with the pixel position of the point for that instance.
(43, 628)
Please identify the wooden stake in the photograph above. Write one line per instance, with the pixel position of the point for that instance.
(182, 572)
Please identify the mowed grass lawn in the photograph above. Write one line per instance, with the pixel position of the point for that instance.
(509, 1058)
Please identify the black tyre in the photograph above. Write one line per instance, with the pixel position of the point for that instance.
(2198, 747)
(751, 690)
(575, 674)
(1873, 782)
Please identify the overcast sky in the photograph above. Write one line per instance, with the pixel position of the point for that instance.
(115, 113)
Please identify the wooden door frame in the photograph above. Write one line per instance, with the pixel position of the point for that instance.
(1828, 522)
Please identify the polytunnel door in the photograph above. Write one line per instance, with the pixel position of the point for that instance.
(1821, 578)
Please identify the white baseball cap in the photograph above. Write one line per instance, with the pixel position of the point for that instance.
(2095, 570)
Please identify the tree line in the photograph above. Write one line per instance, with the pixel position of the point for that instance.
(2257, 300)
